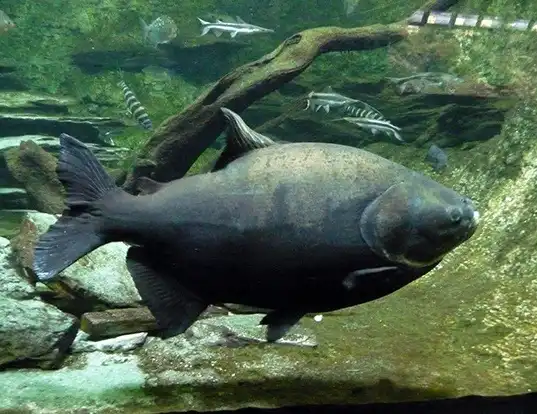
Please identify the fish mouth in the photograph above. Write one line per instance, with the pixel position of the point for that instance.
(472, 224)
(475, 218)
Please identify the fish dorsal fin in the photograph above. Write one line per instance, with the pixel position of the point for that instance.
(219, 21)
(146, 185)
(328, 89)
(240, 139)
(239, 20)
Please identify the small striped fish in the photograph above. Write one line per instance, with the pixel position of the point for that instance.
(134, 107)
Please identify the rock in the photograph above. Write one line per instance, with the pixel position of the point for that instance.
(13, 199)
(99, 280)
(35, 169)
(117, 322)
(10, 222)
(122, 343)
(52, 144)
(240, 330)
(31, 331)
(12, 285)
(29, 102)
(22, 246)
(81, 386)
(89, 129)
(34, 333)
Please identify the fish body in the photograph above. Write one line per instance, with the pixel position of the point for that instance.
(295, 228)
(375, 126)
(437, 158)
(233, 28)
(6, 23)
(434, 77)
(328, 99)
(162, 30)
(134, 107)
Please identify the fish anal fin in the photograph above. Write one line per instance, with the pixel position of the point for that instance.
(174, 307)
(240, 139)
(233, 34)
(217, 33)
(145, 185)
(279, 322)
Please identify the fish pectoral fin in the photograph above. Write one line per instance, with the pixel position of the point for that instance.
(233, 34)
(174, 307)
(351, 280)
(205, 30)
(145, 186)
(279, 322)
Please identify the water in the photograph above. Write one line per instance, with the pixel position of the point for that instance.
(466, 328)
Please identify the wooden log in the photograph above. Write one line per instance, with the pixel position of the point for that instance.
(116, 322)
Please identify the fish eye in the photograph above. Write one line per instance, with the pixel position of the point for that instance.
(455, 215)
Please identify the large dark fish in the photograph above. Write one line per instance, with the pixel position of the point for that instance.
(294, 228)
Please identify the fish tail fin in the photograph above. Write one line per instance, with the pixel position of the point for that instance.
(204, 27)
(145, 28)
(79, 230)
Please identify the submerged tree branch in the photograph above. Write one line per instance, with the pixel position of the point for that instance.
(179, 141)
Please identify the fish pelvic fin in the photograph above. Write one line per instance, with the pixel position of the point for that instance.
(174, 307)
(280, 322)
(78, 231)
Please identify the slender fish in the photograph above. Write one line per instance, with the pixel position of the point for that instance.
(134, 107)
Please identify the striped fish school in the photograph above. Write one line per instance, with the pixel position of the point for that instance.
(135, 108)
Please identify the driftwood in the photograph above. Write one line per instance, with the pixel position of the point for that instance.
(179, 141)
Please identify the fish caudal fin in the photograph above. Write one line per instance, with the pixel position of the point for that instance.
(204, 27)
(77, 232)
(145, 29)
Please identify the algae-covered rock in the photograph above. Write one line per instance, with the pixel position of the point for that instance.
(31, 331)
(35, 168)
(24, 101)
(12, 284)
(35, 331)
